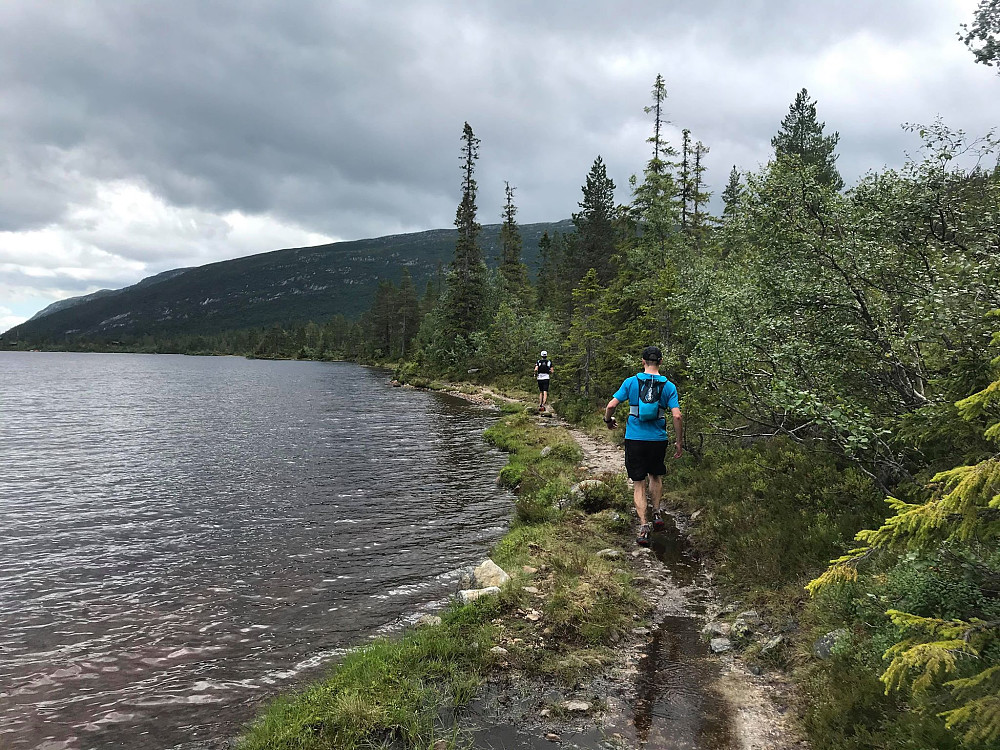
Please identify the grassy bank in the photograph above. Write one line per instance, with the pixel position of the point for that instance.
(557, 619)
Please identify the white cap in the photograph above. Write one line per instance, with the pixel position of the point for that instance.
(545, 353)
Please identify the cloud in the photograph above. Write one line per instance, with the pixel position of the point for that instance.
(142, 136)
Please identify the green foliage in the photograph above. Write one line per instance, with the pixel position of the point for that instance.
(983, 39)
(801, 136)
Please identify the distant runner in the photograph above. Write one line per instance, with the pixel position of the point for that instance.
(543, 374)
(649, 395)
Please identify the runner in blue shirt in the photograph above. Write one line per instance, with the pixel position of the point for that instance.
(649, 396)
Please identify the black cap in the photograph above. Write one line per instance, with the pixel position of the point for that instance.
(652, 354)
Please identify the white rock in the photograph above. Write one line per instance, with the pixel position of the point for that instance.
(529, 570)
(720, 645)
(609, 554)
(488, 573)
(577, 706)
(545, 451)
(498, 650)
(716, 629)
(530, 589)
(470, 595)
(581, 488)
(427, 620)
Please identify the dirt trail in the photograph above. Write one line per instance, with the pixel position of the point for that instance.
(757, 704)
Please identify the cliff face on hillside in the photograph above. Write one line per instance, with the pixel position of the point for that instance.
(283, 286)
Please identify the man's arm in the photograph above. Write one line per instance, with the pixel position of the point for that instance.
(608, 410)
(678, 431)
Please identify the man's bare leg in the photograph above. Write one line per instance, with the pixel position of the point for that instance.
(639, 497)
(655, 491)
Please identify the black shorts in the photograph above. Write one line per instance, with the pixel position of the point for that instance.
(543, 385)
(644, 457)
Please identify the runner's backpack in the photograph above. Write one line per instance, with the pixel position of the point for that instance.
(650, 390)
(544, 366)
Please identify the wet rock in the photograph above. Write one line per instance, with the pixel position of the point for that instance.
(470, 595)
(576, 706)
(823, 646)
(488, 573)
(720, 645)
(716, 629)
(609, 554)
(427, 620)
(772, 644)
(498, 650)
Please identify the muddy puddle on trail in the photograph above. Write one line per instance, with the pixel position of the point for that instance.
(667, 701)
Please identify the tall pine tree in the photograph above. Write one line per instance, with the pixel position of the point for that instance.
(801, 135)
(513, 273)
(595, 226)
(464, 303)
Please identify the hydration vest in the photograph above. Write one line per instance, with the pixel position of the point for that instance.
(544, 366)
(650, 390)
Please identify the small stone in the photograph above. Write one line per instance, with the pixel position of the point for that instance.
(609, 554)
(695, 515)
(772, 644)
(545, 451)
(488, 573)
(552, 737)
(640, 631)
(528, 569)
(756, 670)
(720, 645)
(716, 629)
(470, 595)
(823, 647)
(498, 650)
(576, 706)
(427, 621)
(545, 712)
(580, 488)
(440, 745)
(530, 589)
(533, 616)
(745, 624)
(636, 553)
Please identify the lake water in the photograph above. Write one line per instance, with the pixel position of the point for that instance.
(183, 538)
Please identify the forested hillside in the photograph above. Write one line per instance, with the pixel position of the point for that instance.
(281, 287)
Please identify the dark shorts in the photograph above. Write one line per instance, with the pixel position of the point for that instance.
(543, 385)
(644, 457)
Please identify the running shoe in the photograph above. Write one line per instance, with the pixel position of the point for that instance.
(658, 523)
(642, 538)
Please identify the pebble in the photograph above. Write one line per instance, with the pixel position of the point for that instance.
(552, 737)
(528, 569)
(498, 650)
(577, 706)
(530, 589)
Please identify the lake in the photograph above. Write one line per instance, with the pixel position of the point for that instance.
(186, 537)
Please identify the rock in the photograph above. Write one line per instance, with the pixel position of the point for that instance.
(695, 515)
(756, 670)
(824, 646)
(576, 706)
(545, 451)
(580, 488)
(552, 737)
(640, 631)
(533, 616)
(720, 645)
(528, 569)
(488, 573)
(545, 712)
(772, 644)
(395, 383)
(716, 629)
(746, 624)
(440, 745)
(530, 589)
(498, 650)
(427, 620)
(470, 595)
(609, 554)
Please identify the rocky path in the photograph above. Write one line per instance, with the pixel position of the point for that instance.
(754, 707)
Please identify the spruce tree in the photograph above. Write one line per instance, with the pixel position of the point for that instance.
(686, 188)
(801, 135)
(513, 273)
(466, 284)
(595, 226)
(699, 196)
(732, 194)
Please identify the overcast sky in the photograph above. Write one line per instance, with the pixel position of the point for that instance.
(141, 136)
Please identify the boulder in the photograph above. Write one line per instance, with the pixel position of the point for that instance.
(488, 573)
(716, 629)
(720, 645)
(470, 595)
(823, 647)
(427, 620)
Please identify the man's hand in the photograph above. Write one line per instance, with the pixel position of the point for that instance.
(679, 451)
(611, 423)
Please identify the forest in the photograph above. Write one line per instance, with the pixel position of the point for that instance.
(837, 353)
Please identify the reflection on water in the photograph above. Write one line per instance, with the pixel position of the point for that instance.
(185, 536)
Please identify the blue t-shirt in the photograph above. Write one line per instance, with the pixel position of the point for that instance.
(652, 430)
